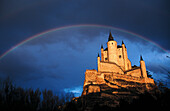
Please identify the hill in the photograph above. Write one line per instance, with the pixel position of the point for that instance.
(119, 99)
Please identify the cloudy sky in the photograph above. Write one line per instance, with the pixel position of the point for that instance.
(57, 60)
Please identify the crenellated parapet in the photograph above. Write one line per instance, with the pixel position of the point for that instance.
(114, 65)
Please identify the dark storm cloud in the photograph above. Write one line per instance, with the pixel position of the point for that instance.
(60, 61)
(16, 65)
(77, 42)
(23, 64)
(74, 38)
(24, 18)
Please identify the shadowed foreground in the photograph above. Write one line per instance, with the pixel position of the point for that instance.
(18, 99)
(158, 97)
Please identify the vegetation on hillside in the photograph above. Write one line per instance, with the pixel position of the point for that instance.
(14, 98)
(158, 98)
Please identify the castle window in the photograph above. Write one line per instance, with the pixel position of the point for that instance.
(119, 56)
(105, 58)
(112, 43)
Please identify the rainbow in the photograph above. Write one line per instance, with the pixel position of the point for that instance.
(75, 26)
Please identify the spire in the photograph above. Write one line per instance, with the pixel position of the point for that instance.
(110, 37)
(141, 58)
(98, 55)
(122, 42)
(101, 46)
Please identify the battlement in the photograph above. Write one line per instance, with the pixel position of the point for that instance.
(114, 76)
(114, 66)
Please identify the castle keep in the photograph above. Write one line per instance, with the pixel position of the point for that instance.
(114, 65)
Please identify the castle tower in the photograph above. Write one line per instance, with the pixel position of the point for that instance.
(112, 49)
(98, 62)
(125, 57)
(102, 53)
(143, 67)
(112, 66)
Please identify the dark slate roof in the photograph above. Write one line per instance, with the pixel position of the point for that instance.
(119, 46)
(102, 46)
(122, 42)
(106, 49)
(141, 58)
(110, 37)
(134, 66)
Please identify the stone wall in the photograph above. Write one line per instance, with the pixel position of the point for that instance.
(120, 57)
(93, 89)
(114, 76)
(129, 66)
(114, 67)
(105, 56)
(112, 51)
(94, 79)
(90, 76)
(134, 72)
(110, 67)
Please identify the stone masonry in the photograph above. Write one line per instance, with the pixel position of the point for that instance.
(114, 65)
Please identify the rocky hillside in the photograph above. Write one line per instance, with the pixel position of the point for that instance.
(113, 96)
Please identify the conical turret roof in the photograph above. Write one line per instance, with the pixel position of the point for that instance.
(98, 55)
(101, 46)
(141, 58)
(110, 37)
(122, 42)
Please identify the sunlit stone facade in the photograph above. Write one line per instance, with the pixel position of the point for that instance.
(114, 64)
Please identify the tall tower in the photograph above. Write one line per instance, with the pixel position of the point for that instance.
(125, 57)
(143, 67)
(98, 62)
(112, 49)
(102, 53)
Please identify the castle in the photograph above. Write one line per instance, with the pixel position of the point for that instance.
(114, 65)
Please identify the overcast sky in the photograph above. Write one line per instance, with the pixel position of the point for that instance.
(31, 62)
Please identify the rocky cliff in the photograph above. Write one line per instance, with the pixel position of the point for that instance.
(112, 94)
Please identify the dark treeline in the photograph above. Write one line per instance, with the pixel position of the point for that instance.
(14, 98)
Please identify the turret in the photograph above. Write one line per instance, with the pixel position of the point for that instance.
(98, 62)
(143, 67)
(112, 49)
(110, 37)
(122, 42)
(141, 59)
(125, 57)
(102, 53)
